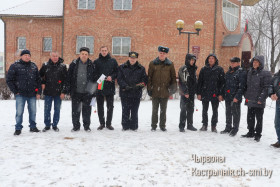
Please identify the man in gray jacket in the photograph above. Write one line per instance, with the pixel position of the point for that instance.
(258, 81)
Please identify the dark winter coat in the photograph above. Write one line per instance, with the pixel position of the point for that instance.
(161, 78)
(128, 78)
(23, 78)
(71, 83)
(235, 84)
(211, 81)
(54, 77)
(274, 87)
(109, 67)
(258, 81)
(187, 77)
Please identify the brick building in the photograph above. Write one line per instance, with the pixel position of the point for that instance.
(124, 25)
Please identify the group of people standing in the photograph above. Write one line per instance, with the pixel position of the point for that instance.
(80, 81)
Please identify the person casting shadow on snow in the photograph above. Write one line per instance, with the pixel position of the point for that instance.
(24, 81)
(81, 77)
(53, 74)
(211, 81)
(132, 78)
(187, 86)
(161, 84)
(258, 81)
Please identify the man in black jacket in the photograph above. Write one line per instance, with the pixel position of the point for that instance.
(132, 78)
(211, 81)
(274, 94)
(258, 81)
(80, 80)
(109, 67)
(187, 86)
(24, 81)
(53, 74)
(233, 91)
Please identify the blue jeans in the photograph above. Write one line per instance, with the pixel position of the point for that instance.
(31, 105)
(277, 120)
(48, 107)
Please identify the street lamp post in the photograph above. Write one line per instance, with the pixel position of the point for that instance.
(197, 26)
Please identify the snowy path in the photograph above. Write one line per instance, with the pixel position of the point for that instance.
(142, 158)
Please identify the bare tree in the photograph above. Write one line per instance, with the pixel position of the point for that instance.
(264, 26)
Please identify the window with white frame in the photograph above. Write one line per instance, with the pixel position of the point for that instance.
(230, 15)
(21, 43)
(121, 46)
(47, 44)
(122, 5)
(84, 41)
(86, 4)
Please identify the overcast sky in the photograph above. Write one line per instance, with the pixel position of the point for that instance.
(5, 4)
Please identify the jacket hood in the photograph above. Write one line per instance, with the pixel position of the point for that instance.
(259, 58)
(60, 60)
(188, 59)
(212, 54)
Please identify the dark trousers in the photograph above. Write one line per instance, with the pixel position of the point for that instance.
(130, 108)
(205, 106)
(277, 119)
(81, 102)
(232, 115)
(100, 109)
(156, 102)
(187, 109)
(253, 113)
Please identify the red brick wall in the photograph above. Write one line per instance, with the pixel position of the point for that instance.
(34, 30)
(150, 23)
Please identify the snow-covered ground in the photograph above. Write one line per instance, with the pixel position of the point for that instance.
(142, 158)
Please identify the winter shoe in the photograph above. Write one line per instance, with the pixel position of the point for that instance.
(213, 129)
(46, 129)
(110, 127)
(34, 129)
(182, 130)
(163, 129)
(248, 135)
(153, 129)
(225, 131)
(55, 129)
(257, 138)
(17, 132)
(276, 145)
(203, 128)
(191, 128)
(87, 129)
(233, 132)
(101, 127)
(75, 129)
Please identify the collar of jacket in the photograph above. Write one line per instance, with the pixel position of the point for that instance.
(127, 64)
(104, 57)
(60, 61)
(78, 60)
(233, 69)
(157, 61)
(24, 63)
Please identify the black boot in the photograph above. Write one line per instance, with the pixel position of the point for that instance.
(153, 129)
(34, 129)
(182, 130)
(191, 128)
(102, 126)
(203, 128)
(257, 137)
(55, 129)
(110, 127)
(87, 129)
(75, 129)
(213, 129)
(248, 135)
(225, 131)
(17, 132)
(46, 129)
(163, 129)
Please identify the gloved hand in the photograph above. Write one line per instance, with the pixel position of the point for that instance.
(150, 93)
(141, 84)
